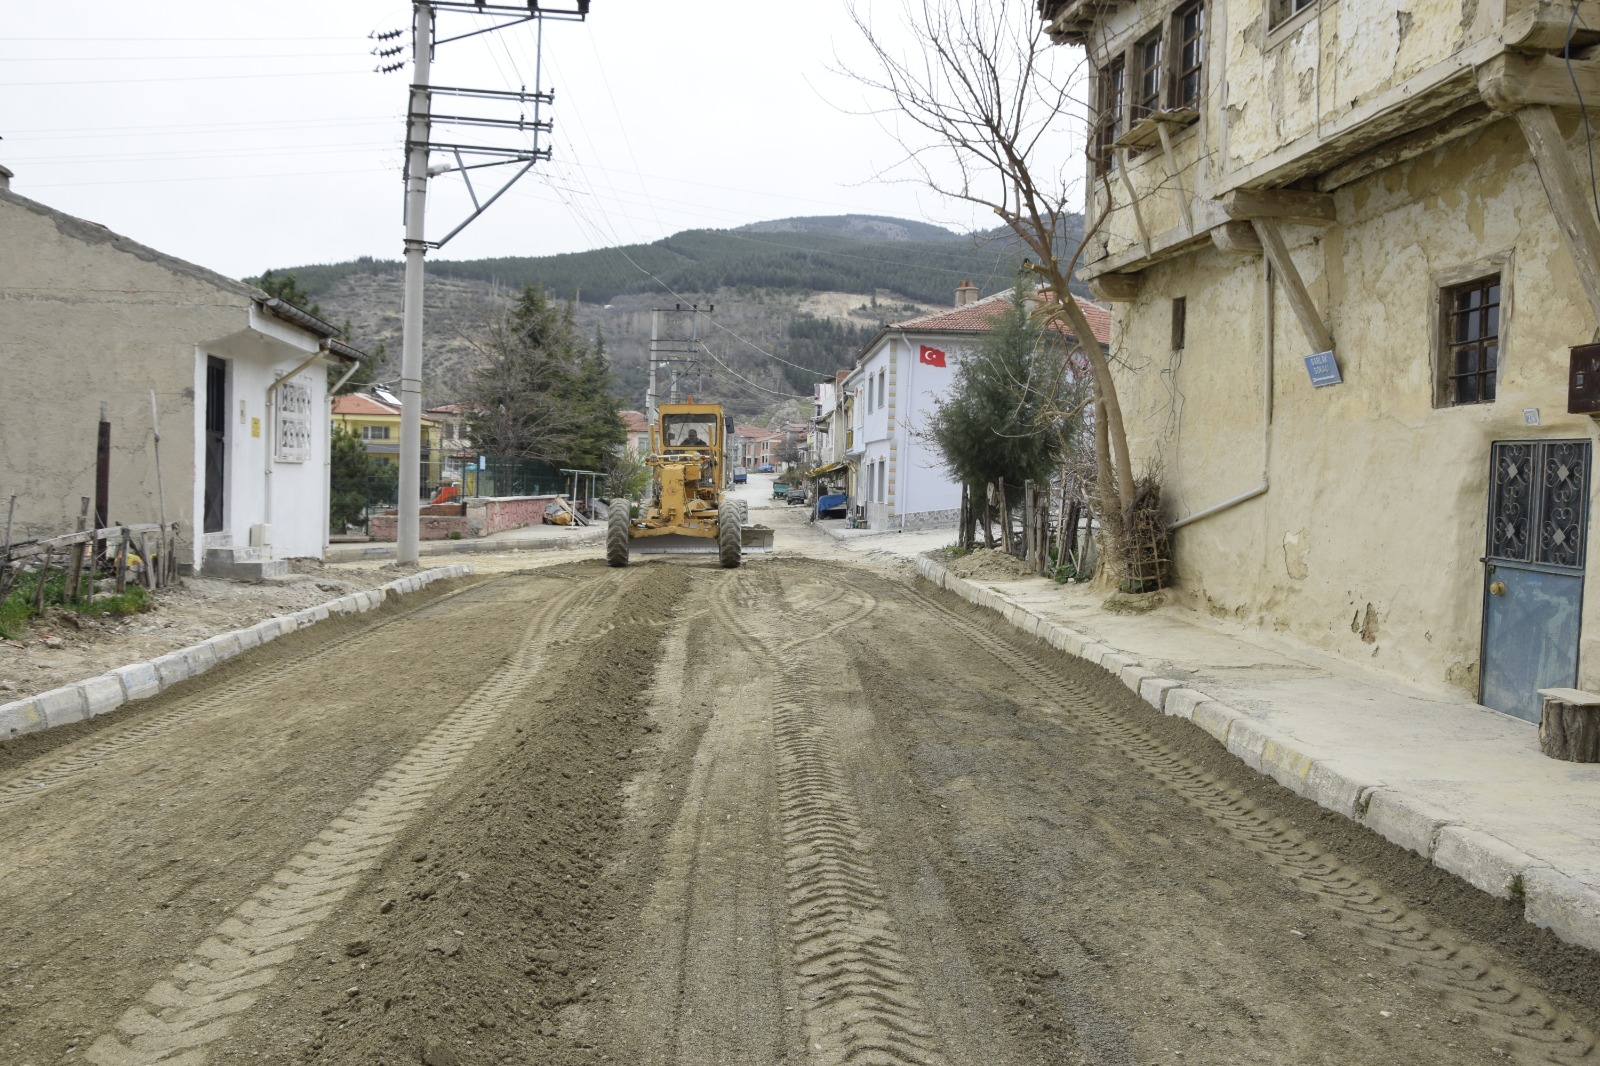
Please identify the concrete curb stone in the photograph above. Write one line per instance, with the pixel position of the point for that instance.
(62, 706)
(1483, 861)
(110, 690)
(1405, 820)
(1155, 690)
(19, 717)
(103, 693)
(139, 680)
(1568, 907)
(1181, 702)
(1564, 905)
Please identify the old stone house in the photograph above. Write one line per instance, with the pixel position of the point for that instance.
(1352, 244)
(240, 380)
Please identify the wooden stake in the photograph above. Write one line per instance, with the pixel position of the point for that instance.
(122, 563)
(149, 565)
(1028, 509)
(44, 575)
(11, 510)
(75, 575)
(102, 475)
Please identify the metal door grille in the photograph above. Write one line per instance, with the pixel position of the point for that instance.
(1539, 503)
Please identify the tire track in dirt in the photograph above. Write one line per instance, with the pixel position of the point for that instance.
(861, 1000)
(176, 1019)
(62, 769)
(1532, 1026)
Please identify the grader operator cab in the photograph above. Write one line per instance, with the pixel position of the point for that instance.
(689, 510)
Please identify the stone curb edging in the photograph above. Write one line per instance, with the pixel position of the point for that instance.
(355, 553)
(1551, 899)
(137, 681)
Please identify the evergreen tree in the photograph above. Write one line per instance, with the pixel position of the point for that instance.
(1011, 413)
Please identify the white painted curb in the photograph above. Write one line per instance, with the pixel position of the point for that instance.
(137, 681)
(1551, 899)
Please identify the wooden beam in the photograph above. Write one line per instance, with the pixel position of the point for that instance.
(1133, 199)
(1475, 116)
(1571, 201)
(1543, 26)
(1177, 175)
(1117, 288)
(1281, 205)
(1236, 238)
(1510, 81)
(1294, 288)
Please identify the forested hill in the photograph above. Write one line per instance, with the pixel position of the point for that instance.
(845, 253)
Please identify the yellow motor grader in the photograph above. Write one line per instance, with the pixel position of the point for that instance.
(689, 510)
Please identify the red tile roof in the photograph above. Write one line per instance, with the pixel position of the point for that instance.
(976, 317)
(634, 421)
(355, 403)
(359, 403)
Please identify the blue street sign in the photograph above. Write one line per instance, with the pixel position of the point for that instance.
(1323, 369)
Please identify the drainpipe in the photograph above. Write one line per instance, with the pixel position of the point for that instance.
(1266, 414)
(270, 438)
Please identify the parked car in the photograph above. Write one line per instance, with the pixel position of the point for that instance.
(797, 495)
(764, 468)
(740, 476)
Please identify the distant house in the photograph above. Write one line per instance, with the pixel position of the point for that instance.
(757, 446)
(455, 441)
(898, 480)
(376, 419)
(638, 432)
(87, 317)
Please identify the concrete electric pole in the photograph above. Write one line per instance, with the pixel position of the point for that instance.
(421, 119)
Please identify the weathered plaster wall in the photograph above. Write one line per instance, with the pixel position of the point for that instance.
(87, 316)
(1367, 543)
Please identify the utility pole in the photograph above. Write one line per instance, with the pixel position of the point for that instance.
(408, 507)
(421, 118)
(676, 352)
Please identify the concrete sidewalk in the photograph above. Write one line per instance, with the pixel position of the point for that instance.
(1460, 784)
(528, 538)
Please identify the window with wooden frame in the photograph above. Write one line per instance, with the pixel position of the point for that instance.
(1188, 54)
(1283, 10)
(1470, 316)
(1152, 75)
(1111, 98)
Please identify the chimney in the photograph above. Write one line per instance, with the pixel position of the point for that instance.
(966, 293)
(5, 179)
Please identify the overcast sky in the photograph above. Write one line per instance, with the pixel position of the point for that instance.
(243, 137)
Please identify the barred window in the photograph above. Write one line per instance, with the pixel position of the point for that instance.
(1471, 341)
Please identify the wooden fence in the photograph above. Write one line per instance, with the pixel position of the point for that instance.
(87, 549)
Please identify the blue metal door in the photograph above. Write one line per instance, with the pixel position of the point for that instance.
(1533, 577)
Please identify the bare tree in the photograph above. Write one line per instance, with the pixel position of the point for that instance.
(988, 104)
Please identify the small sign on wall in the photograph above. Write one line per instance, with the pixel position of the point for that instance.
(1323, 369)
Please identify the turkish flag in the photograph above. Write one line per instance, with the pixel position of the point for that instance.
(930, 356)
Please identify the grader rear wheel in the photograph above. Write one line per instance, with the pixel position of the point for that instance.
(729, 535)
(617, 534)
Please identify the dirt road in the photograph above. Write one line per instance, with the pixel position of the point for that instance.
(800, 812)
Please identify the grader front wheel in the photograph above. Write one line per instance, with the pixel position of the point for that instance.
(729, 540)
(617, 534)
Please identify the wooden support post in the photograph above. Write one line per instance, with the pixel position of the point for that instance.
(1294, 288)
(102, 474)
(1005, 515)
(1236, 238)
(149, 564)
(1133, 201)
(1571, 206)
(1027, 520)
(122, 562)
(75, 575)
(1177, 176)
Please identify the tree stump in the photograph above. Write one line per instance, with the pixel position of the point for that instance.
(1569, 725)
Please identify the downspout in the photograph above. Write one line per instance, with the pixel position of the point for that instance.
(271, 438)
(1266, 413)
(327, 461)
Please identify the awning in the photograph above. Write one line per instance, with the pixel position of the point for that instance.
(828, 469)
